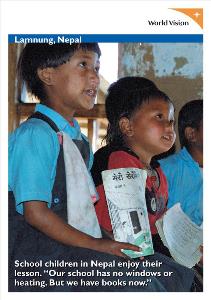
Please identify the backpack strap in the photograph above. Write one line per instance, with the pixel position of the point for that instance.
(82, 145)
(39, 115)
(59, 194)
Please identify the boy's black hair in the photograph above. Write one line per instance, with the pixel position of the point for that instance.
(190, 115)
(124, 97)
(43, 55)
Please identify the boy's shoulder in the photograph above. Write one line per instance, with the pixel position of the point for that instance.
(172, 159)
(180, 158)
(33, 125)
(33, 130)
(172, 164)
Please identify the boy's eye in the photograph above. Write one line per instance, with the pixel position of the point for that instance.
(83, 64)
(159, 116)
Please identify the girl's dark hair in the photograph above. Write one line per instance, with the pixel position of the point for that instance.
(35, 56)
(124, 97)
(190, 115)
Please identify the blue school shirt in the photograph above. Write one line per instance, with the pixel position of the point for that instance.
(185, 184)
(33, 153)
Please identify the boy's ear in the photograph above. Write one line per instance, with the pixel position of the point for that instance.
(190, 134)
(46, 75)
(125, 126)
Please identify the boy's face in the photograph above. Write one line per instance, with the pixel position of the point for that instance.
(152, 128)
(75, 83)
(194, 136)
(199, 136)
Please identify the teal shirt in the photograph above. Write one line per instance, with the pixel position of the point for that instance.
(185, 184)
(33, 153)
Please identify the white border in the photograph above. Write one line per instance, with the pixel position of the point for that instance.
(87, 17)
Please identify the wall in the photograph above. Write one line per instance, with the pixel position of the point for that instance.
(176, 68)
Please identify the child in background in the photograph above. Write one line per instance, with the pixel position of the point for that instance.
(141, 125)
(183, 170)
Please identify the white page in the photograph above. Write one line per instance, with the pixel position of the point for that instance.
(182, 236)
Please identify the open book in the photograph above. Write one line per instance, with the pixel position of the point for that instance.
(125, 195)
(181, 236)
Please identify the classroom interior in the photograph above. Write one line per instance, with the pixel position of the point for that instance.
(176, 68)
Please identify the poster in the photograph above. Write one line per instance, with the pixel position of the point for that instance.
(22, 17)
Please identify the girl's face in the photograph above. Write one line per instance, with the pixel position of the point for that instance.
(151, 129)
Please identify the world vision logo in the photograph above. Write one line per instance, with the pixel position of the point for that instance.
(196, 14)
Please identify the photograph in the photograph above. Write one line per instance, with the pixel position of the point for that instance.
(102, 148)
(68, 122)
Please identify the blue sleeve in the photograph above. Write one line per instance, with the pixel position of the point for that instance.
(33, 153)
(166, 168)
(170, 171)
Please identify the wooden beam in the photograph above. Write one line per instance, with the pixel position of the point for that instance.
(98, 111)
(90, 130)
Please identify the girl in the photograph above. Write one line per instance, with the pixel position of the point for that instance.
(141, 125)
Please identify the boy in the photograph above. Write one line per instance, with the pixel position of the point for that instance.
(184, 169)
(65, 78)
